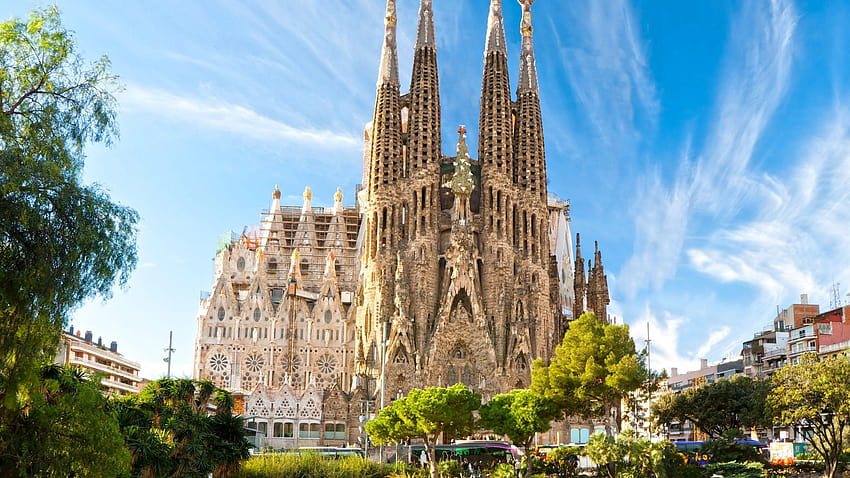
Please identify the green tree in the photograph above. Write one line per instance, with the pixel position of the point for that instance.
(171, 431)
(426, 415)
(594, 367)
(66, 430)
(726, 405)
(607, 452)
(815, 395)
(519, 415)
(60, 241)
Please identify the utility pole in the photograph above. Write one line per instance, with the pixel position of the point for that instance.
(649, 383)
(383, 376)
(169, 350)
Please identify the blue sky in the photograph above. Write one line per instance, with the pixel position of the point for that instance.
(705, 145)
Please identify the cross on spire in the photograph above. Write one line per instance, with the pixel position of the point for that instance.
(461, 129)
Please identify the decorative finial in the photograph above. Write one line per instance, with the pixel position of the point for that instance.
(276, 193)
(495, 29)
(461, 130)
(388, 71)
(525, 28)
(308, 194)
(338, 195)
(295, 255)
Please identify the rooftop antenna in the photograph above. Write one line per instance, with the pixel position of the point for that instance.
(835, 299)
(169, 350)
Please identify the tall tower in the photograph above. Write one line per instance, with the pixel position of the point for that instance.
(456, 259)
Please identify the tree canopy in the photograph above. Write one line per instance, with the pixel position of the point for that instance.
(68, 430)
(519, 415)
(60, 241)
(816, 395)
(427, 415)
(593, 368)
(171, 430)
(734, 404)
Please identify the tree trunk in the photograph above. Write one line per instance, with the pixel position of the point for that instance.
(431, 451)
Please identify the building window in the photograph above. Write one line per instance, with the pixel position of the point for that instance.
(257, 314)
(278, 429)
(334, 431)
(221, 313)
(308, 430)
(240, 264)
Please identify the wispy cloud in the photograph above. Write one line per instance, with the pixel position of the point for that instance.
(800, 239)
(230, 118)
(755, 80)
(605, 63)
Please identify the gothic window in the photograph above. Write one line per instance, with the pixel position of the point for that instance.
(240, 264)
(305, 265)
(451, 375)
(328, 316)
(466, 376)
(458, 353)
(221, 313)
(257, 314)
(254, 362)
(272, 265)
(219, 363)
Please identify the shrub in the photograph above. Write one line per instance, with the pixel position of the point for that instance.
(311, 466)
(736, 470)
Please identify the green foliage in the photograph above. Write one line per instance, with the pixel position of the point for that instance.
(733, 404)
(736, 470)
(449, 469)
(519, 415)
(170, 432)
(60, 241)
(427, 414)
(606, 452)
(593, 368)
(503, 470)
(726, 448)
(66, 430)
(632, 457)
(817, 394)
(314, 466)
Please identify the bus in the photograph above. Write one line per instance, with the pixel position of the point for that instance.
(481, 454)
(692, 450)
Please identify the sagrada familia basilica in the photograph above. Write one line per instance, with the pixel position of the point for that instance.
(448, 269)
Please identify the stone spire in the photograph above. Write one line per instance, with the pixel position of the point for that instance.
(425, 32)
(579, 282)
(597, 288)
(385, 138)
(495, 29)
(494, 125)
(527, 68)
(529, 154)
(388, 71)
(424, 143)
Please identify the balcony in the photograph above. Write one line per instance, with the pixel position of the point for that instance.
(825, 349)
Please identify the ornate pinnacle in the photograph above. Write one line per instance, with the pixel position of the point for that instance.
(425, 32)
(495, 29)
(308, 194)
(388, 72)
(527, 67)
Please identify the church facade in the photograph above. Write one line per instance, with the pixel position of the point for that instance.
(449, 268)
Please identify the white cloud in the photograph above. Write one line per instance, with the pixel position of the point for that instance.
(714, 338)
(605, 63)
(756, 74)
(231, 118)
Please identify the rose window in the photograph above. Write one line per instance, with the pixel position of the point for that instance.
(218, 362)
(326, 364)
(255, 362)
(290, 366)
